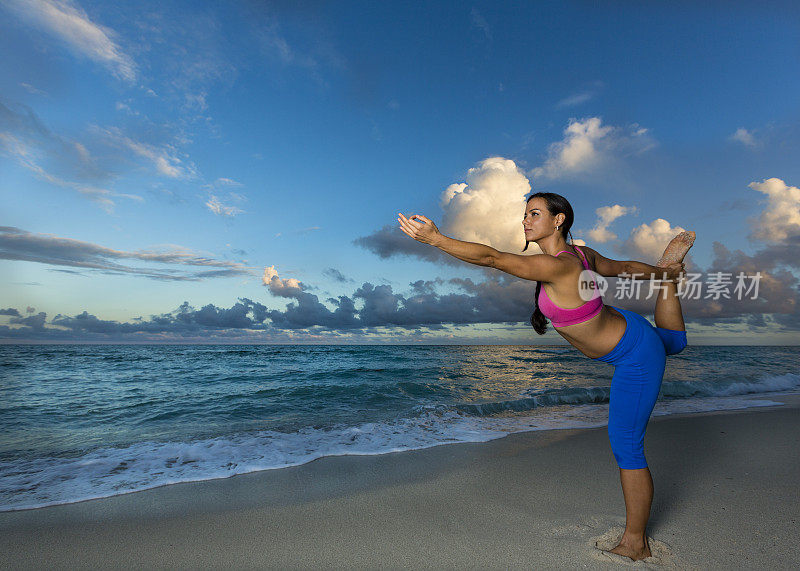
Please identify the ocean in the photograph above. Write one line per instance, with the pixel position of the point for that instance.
(90, 421)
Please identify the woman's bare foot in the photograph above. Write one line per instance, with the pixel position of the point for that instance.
(676, 249)
(633, 553)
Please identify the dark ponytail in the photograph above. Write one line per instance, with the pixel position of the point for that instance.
(556, 204)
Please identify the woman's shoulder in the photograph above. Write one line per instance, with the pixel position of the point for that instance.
(586, 251)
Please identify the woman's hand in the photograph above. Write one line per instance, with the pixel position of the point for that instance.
(425, 231)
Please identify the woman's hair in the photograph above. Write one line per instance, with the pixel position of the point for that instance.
(556, 204)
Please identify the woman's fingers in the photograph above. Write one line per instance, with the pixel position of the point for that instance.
(406, 226)
(417, 229)
(409, 222)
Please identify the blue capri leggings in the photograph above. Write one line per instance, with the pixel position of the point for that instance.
(639, 359)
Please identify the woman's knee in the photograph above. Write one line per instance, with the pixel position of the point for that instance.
(674, 341)
(628, 454)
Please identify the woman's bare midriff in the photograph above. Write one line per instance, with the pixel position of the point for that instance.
(595, 337)
(598, 336)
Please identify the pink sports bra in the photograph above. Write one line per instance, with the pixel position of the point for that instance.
(560, 316)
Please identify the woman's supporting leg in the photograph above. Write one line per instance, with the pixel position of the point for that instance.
(634, 391)
(637, 488)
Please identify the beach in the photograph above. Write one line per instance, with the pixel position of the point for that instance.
(726, 496)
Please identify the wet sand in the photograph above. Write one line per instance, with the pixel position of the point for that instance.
(727, 495)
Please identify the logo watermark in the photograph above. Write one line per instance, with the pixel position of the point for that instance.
(591, 285)
(717, 285)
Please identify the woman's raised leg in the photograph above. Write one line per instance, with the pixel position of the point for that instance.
(668, 313)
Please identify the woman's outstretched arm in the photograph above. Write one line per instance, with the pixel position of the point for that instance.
(537, 267)
(630, 268)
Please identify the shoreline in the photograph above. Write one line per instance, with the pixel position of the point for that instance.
(537, 498)
(656, 416)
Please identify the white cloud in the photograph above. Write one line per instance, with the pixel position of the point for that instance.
(68, 22)
(489, 207)
(781, 217)
(281, 287)
(227, 182)
(275, 45)
(745, 137)
(589, 145)
(605, 216)
(648, 241)
(215, 206)
(164, 159)
(575, 99)
(33, 90)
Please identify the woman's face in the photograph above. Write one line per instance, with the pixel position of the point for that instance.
(537, 222)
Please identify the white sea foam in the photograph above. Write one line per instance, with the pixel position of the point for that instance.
(107, 472)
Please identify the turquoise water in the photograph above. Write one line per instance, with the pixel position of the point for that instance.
(86, 421)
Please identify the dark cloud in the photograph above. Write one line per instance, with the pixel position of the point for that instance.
(503, 298)
(307, 311)
(17, 244)
(391, 241)
(499, 301)
(778, 291)
(336, 275)
(422, 287)
(73, 272)
(245, 314)
(35, 322)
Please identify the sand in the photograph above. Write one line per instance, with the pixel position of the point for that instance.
(726, 497)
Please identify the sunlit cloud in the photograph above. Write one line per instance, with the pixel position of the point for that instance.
(288, 287)
(588, 146)
(606, 215)
(488, 207)
(648, 241)
(780, 219)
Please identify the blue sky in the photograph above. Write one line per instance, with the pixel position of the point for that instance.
(157, 157)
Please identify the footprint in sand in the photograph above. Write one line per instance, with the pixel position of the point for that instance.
(661, 554)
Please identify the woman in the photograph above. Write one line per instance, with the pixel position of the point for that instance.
(613, 335)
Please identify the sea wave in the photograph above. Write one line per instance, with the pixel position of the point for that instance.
(598, 395)
(38, 482)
